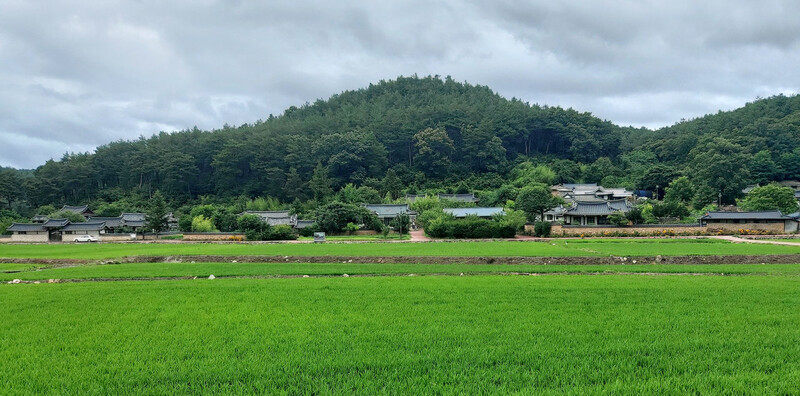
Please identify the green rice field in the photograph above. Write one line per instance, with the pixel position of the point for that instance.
(263, 328)
(556, 248)
(624, 334)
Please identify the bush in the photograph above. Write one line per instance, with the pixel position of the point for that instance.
(401, 223)
(471, 227)
(351, 228)
(542, 229)
(333, 217)
(618, 219)
(308, 231)
(282, 232)
(202, 224)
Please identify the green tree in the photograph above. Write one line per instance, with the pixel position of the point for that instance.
(294, 188)
(719, 164)
(391, 184)
(680, 190)
(770, 197)
(69, 215)
(762, 168)
(618, 219)
(156, 215)
(535, 200)
(10, 186)
(320, 183)
(202, 224)
(433, 150)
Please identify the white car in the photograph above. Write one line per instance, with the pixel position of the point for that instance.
(86, 238)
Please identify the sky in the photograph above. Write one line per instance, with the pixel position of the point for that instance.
(78, 74)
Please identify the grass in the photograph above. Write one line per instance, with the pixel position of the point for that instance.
(203, 270)
(556, 248)
(4, 267)
(410, 335)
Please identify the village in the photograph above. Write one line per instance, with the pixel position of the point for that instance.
(582, 210)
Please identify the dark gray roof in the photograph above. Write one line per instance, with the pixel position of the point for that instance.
(597, 208)
(39, 218)
(762, 215)
(111, 222)
(274, 217)
(77, 209)
(389, 210)
(480, 212)
(304, 223)
(26, 227)
(55, 223)
(573, 186)
(87, 226)
(413, 197)
(133, 217)
(134, 223)
(459, 197)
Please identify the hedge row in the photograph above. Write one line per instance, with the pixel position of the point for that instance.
(469, 228)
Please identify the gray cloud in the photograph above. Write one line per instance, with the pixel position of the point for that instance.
(74, 75)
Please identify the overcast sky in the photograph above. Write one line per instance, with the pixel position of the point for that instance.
(78, 74)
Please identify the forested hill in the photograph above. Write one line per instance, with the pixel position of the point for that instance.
(427, 133)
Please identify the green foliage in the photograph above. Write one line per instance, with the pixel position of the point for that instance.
(680, 190)
(47, 210)
(401, 224)
(201, 223)
(720, 166)
(599, 169)
(542, 229)
(514, 218)
(351, 228)
(392, 184)
(635, 215)
(321, 183)
(525, 174)
(470, 227)
(156, 215)
(69, 215)
(618, 219)
(670, 209)
(535, 200)
(262, 204)
(770, 197)
(333, 217)
(433, 150)
(185, 223)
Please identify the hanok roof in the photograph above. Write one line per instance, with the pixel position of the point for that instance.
(133, 216)
(55, 223)
(389, 210)
(583, 186)
(459, 197)
(39, 218)
(77, 209)
(87, 226)
(762, 215)
(111, 222)
(274, 217)
(597, 208)
(25, 227)
(480, 212)
(304, 223)
(413, 197)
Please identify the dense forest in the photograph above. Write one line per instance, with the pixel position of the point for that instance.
(417, 134)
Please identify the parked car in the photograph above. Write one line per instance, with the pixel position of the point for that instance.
(86, 238)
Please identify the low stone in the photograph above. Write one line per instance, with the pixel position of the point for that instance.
(212, 276)
(15, 281)
(345, 276)
(306, 276)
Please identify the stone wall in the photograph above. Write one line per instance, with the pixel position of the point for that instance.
(215, 236)
(30, 237)
(644, 230)
(728, 228)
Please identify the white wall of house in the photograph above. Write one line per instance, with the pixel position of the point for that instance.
(30, 236)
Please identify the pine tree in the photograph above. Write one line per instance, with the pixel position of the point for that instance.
(294, 187)
(320, 183)
(392, 184)
(157, 213)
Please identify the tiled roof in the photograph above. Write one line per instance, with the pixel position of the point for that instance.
(459, 197)
(26, 227)
(389, 210)
(274, 217)
(304, 223)
(597, 208)
(480, 212)
(133, 216)
(87, 226)
(762, 215)
(111, 222)
(55, 223)
(76, 209)
(40, 218)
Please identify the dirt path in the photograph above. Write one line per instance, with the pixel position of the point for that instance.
(745, 240)
(418, 236)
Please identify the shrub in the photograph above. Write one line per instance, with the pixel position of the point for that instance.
(351, 228)
(542, 229)
(618, 219)
(308, 231)
(202, 224)
(471, 227)
(401, 223)
(282, 232)
(334, 217)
